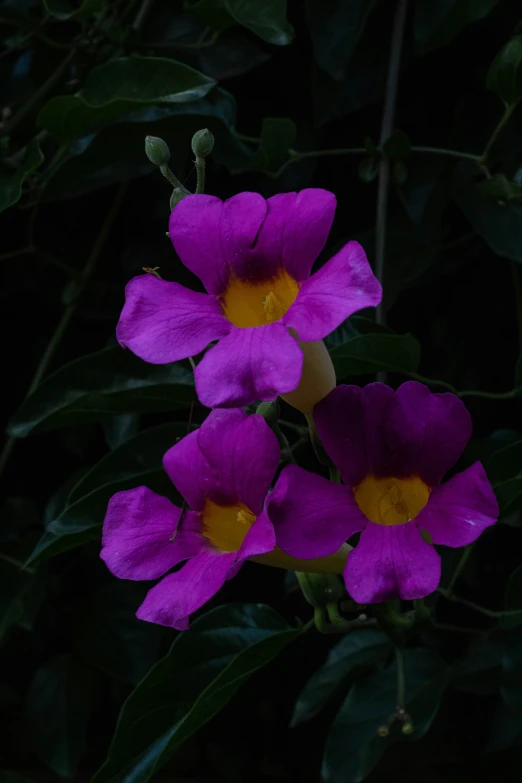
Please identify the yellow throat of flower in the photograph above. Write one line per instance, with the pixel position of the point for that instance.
(258, 302)
(391, 501)
(225, 527)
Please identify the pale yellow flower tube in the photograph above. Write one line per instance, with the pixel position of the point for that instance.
(332, 564)
(317, 378)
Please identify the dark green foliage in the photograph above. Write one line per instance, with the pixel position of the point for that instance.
(292, 95)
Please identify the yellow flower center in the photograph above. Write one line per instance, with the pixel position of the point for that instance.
(391, 501)
(226, 526)
(258, 302)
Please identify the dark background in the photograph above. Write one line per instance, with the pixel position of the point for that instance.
(452, 280)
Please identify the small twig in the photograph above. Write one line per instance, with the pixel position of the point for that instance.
(503, 121)
(482, 609)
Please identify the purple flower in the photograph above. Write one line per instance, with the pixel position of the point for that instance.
(392, 450)
(224, 471)
(254, 258)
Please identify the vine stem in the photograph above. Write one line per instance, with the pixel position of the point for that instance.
(459, 569)
(40, 93)
(386, 129)
(68, 312)
(401, 678)
(503, 121)
(481, 609)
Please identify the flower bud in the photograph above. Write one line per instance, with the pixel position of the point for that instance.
(383, 731)
(408, 728)
(317, 378)
(157, 150)
(321, 589)
(202, 143)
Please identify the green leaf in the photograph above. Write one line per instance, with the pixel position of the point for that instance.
(59, 703)
(11, 181)
(357, 649)
(16, 585)
(513, 600)
(335, 28)
(500, 188)
(118, 87)
(353, 747)
(368, 170)
(101, 384)
(277, 136)
(500, 226)
(120, 428)
(8, 776)
(108, 634)
(200, 674)
(64, 9)
(137, 461)
(505, 72)
(505, 463)
(437, 23)
(267, 19)
(370, 353)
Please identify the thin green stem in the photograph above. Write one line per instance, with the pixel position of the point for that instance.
(69, 311)
(200, 171)
(431, 381)
(22, 251)
(456, 628)
(386, 129)
(482, 609)
(503, 121)
(401, 678)
(448, 153)
(515, 272)
(509, 395)
(459, 569)
(421, 610)
(334, 475)
(39, 95)
(327, 153)
(171, 177)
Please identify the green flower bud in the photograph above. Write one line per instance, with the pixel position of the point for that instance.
(321, 589)
(383, 731)
(408, 728)
(202, 143)
(368, 170)
(157, 150)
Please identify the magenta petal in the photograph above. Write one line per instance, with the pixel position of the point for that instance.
(178, 595)
(137, 533)
(295, 231)
(242, 455)
(187, 468)
(349, 422)
(251, 364)
(391, 562)
(342, 286)
(163, 322)
(243, 217)
(425, 433)
(459, 510)
(312, 517)
(195, 231)
(259, 539)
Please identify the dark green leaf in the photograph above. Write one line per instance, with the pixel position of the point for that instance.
(437, 23)
(200, 674)
(137, 461)
(119, 87)
(335, 28)
(371, 353)
(513, 601)
(357, 649)
(500, 226)
(509, 496)
(500, 188)
(120, 428)
(368, 170)
(101, 384)
(7, 776)
(505, 72)
(353, 747)
(266, 19)
(277, 136)
(109, 635)
(11, 181)
(65, 9)
(504, 463)
(59, 703)
(16, 585)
